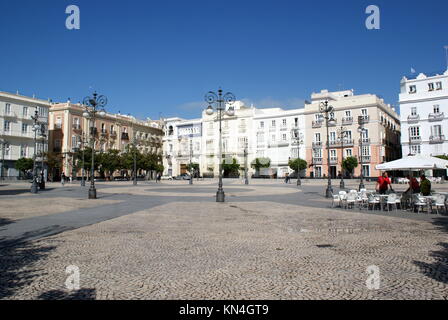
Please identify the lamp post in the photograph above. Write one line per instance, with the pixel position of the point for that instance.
(220, 101)
(92, 107)
(3, 144)
(326, 110)
(35, 118)
(342, 134)
(81, 144)
(246, 178)
(42, 174)
(361, 131)
(298, 140)
(191, 159)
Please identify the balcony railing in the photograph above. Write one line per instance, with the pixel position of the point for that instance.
(338, 143)
(364, 141)
(333, 160)
(437, 139)
(347, 120)
(76, 127)
(113, 134)
(413, 118)
(363, 119)
(103, 132)
(317, 124)
(416, 139)
(8, 114)
(436, 116)
(317, 144)
(124, 136)
(364, 159)
(317, 160)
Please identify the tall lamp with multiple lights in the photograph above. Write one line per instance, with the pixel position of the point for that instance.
(326, 110)
(220, 101)
(297, 137)
(93, 105)
(36, 128)
(342, 134)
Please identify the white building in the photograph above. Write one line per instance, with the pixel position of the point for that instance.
(16, 130)
(424, 114)
(274, 136)
(249, 128)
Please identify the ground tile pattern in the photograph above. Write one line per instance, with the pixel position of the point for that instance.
(236, 250)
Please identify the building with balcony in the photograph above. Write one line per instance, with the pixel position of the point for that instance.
(424, 113)
(16, 131)
(379, 142)
(68, 128)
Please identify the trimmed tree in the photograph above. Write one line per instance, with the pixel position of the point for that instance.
(298, 165)
(349, 164)
(260, 163)
(24, 164)
(231, 170)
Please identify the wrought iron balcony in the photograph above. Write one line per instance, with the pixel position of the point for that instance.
(364, 159)
(113, 134)
(436, 116)
(317, 144)
(77, 127)
(437, 139)
(124, 136)
(317, 160)
(412, 118)
(333, 160)
(416, 139)
(347, 120)
(317, 124)
(364, 141)
(363, 119)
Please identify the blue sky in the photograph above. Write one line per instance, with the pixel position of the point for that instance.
(152, 57)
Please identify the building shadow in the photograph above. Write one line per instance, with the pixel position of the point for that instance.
(437, 270)
(81, 294)
(14, 192)
(19, 264)
(5, 221)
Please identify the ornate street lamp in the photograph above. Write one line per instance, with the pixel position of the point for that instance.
(342, 134)
(297, 137)
(42, 154)
(361, 131)
(93, 105)
(36, 127)
(3, 143)
(191, 159)
(246, 178)
(326, 110)
(81, 144)
(220, 101)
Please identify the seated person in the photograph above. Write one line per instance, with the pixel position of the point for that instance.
(414, 186)
(425, 186)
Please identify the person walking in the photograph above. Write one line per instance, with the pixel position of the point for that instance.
(287, 178)
(159, 177)
(383, 184)
(63, 177)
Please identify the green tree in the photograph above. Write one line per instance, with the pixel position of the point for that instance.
(231, 169)
(442, 157)
(298, 165)
(53, 161)
(24, 164)
(349, 164)
(110, 162)
(260, 163)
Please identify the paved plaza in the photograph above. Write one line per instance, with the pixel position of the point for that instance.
(173, 241)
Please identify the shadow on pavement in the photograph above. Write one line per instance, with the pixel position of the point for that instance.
(437, 270)
(4, 221)
(13, 192)
(19, 264)
(81, 294)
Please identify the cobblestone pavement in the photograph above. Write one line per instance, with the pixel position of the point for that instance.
(268, 241)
